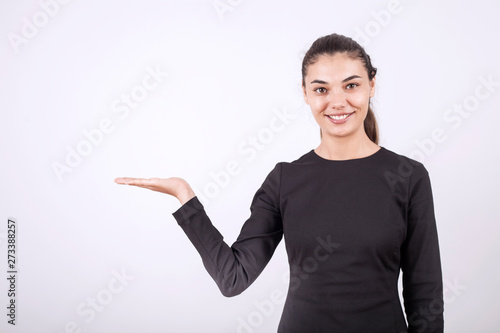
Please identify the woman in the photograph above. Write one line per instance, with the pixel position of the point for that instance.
(352, 213)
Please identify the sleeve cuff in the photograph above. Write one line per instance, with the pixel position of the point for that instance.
(190, 208)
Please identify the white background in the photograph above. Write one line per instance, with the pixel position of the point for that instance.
(230, 70)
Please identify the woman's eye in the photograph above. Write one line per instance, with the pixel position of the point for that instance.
(352, 85)
(320, 90)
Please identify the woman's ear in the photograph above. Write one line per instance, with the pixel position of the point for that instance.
(372, 87)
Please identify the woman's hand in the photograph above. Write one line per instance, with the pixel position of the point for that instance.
(174, 186)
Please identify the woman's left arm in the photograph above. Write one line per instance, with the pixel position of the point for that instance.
(420, 259)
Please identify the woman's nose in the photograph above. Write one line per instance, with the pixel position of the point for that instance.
(337, 100)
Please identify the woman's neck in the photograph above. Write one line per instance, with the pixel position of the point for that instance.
(345, 148)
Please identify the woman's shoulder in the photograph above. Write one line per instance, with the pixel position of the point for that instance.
(307, 157)
(303, 160)
(398, 168)
(400, 160)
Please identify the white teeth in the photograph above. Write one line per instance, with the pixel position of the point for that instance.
(339, 117)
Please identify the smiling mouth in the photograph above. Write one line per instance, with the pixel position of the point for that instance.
(339, 117)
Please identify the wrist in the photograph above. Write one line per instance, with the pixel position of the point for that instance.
(185, 195)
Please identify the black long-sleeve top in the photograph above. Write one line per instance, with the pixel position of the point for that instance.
(349, 226)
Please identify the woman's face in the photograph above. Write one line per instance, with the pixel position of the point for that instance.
(338, 91)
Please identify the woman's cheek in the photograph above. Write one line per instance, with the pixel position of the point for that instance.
(318, 105)
(358, 102)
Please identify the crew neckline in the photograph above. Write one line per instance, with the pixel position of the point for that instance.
(359, 159)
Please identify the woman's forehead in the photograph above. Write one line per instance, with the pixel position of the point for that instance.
(339, 65)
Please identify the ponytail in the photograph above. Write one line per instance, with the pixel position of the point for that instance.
(371, 127)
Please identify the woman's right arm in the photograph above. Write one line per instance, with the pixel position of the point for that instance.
(234, 267)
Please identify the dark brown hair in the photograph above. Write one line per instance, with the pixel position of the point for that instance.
(335, 43)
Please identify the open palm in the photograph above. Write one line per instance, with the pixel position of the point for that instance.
(174, 186)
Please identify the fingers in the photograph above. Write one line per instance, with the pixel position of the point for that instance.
(143, 182)
(123, 180)
(174, 186)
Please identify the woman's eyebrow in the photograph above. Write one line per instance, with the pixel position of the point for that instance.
(344, 80)
(319, 81)
(351, 77)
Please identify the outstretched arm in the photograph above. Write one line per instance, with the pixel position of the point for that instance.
(234, 267)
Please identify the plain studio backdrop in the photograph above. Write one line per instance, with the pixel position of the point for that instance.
(210, 91)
